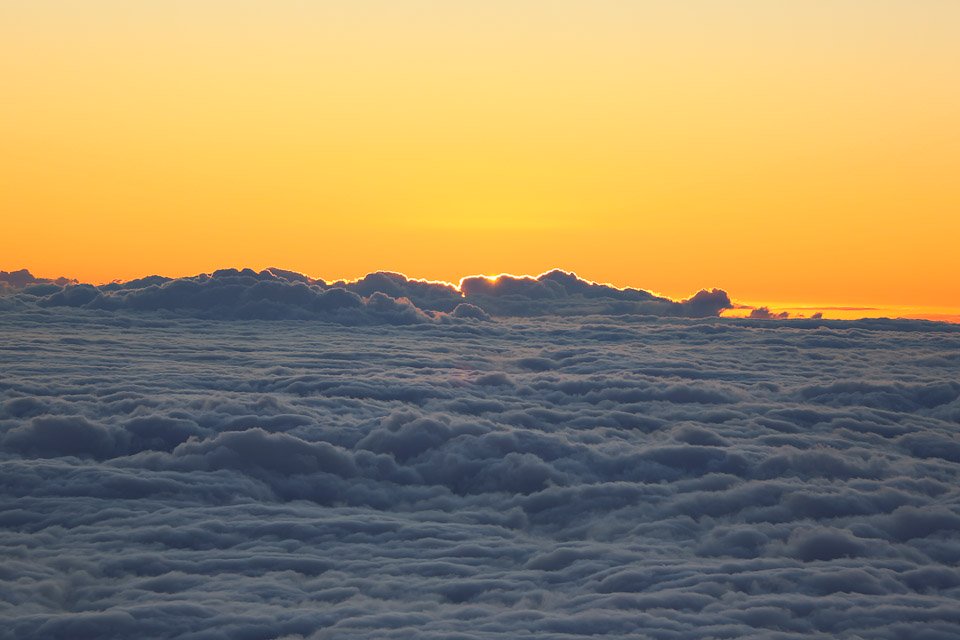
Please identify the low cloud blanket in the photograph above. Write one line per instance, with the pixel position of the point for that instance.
(396, 468)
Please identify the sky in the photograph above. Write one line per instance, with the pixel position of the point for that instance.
(794, 152)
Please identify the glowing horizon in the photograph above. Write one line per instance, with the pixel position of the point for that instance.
(802, 152)
(741, 309)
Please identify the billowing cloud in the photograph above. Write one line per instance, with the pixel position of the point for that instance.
(240, 295)
(562, 293)
(764, 313)
(23, 279)
(173, 474)
(378, 298)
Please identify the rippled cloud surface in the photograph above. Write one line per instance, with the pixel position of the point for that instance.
(548, 477)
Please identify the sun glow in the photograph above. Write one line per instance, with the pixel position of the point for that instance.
(780, 151)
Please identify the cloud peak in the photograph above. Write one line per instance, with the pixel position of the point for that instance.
(380, 297)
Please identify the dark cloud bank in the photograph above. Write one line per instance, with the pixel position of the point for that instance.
(389, 298)
(190, 458)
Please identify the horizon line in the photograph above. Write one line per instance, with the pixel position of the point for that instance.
(914, 312)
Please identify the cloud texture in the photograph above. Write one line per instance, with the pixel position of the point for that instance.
(378, 298)
(166, 475)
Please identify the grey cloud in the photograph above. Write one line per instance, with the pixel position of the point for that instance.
(52, 436)
(823, 544)
(192, 474)
(241, 295)
(562, 293)
(23, 279)
(377, 298)
(764, 313)
(257, 449)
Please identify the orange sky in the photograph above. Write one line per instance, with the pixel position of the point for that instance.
(804, 151)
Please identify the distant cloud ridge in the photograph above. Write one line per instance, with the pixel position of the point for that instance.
(377, 298)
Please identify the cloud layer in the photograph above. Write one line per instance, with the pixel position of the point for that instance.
(378, 298)
(552, 477)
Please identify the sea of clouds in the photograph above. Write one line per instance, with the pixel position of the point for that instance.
(263, 455)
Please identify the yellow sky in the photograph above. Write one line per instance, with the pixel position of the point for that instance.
(803, 151)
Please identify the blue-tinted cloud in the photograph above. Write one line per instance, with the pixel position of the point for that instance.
(378, 298)
(168, 473)
(561, 293)
(764, 313)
